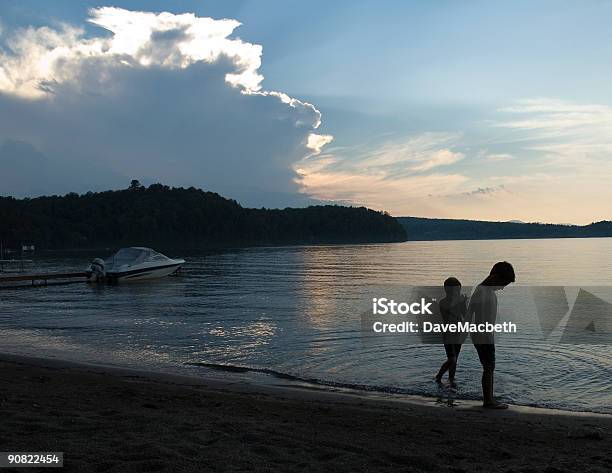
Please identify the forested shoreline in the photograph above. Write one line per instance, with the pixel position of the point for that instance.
(165, 217)
(446, 229)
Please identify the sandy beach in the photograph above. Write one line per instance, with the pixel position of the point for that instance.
(108, 419)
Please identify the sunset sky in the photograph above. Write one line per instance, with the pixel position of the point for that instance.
(476, 109)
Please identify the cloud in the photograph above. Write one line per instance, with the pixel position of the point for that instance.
(442, 157)
(484, 191)
(387, 176)
(412, 154)
(159, 97)
(377, 191)
(44, 56)
(22, 166)
(495, 157)
(317, 142)
(554, 114)
(579, 132)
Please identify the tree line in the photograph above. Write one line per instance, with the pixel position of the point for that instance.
(176, 217)
(446, 229)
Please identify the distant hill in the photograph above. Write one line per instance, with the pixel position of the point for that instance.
(446, 229)
(166, 217)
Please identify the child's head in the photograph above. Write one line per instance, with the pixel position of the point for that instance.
(452, 287)
(502, 274)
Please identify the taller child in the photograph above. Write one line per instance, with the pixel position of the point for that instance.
(482, 309)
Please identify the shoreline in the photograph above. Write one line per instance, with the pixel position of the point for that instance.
(282, 385)
(121, 419)
(278, 383)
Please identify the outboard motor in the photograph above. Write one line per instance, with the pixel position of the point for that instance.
(96, 271)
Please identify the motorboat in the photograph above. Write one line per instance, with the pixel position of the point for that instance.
(133, 264)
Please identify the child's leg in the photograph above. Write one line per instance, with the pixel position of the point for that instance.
(486, 353)
(452, 369)
(450, 353)
(443, 369)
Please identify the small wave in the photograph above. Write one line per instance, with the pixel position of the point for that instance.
(314, 381)
(246, 369)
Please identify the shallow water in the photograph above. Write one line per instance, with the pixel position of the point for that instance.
(296, 312)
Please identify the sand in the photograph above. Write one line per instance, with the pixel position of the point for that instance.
(107, 419)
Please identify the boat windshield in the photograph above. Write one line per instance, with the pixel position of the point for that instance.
(134, 256)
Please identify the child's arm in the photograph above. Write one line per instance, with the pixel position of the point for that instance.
(462, 306)
(443, 309)
(471, 308)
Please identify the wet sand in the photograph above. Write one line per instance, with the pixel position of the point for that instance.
(108, 419)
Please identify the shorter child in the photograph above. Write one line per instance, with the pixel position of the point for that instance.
(452, 309)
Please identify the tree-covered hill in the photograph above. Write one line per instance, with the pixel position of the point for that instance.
(446, 229)
(166, 217)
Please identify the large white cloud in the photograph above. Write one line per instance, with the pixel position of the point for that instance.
(159, 96)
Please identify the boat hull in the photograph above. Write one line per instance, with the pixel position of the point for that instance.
(141, 274)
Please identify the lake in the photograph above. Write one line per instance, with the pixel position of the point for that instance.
(296, 313)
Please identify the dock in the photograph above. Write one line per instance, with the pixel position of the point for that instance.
(42, 279)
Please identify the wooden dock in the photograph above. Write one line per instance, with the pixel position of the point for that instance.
(42, 279)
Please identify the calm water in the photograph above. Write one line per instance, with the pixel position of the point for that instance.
(296, 311)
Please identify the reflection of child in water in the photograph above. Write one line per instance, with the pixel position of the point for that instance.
(452, 309)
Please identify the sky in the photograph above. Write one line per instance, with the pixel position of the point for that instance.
(452, 109)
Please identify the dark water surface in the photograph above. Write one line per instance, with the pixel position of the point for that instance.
(294, 312)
